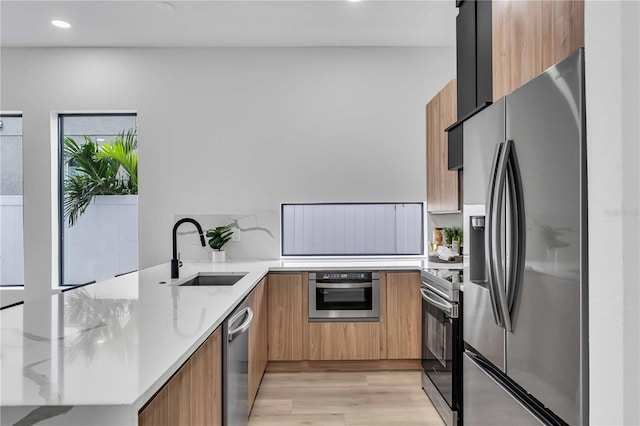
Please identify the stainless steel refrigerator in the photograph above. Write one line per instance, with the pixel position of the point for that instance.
(525, 278)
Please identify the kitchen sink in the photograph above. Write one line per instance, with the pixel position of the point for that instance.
(214, 279)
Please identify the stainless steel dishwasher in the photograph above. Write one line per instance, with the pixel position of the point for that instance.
(235, 356)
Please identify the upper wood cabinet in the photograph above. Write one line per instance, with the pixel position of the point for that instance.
(443, 192)
(193, 396)
(285, 313)
(403, 318)
(530, 36)
(258, 339)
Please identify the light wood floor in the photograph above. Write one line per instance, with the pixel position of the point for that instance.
(389, 398)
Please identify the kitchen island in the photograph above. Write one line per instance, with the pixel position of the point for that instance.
(95, 355)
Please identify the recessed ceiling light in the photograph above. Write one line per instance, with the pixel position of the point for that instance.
(166, 6)
(60, 24)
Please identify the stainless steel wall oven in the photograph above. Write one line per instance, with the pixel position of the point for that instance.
(442, 342)
(344, 296)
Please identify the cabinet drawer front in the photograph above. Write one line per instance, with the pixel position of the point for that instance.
(344, 340)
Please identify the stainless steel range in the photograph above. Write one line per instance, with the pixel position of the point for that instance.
(442, 341)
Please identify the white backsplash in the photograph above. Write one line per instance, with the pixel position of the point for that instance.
(259, 235)
(442, 220)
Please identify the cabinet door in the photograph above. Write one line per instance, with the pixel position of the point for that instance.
(466, 58)
(258, 339)
(530, 36)
(179, 396)
(443, 193)
(205, 401)
(285, 317)
(344, 341)
(193, 396)
(433, 147)
(403, 318)
(156, 413)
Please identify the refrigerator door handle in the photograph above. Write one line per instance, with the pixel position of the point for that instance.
(500, 287)
(488, 236)
(518, 229)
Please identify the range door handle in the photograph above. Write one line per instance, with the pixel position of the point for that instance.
(232, 334)
(433, 299)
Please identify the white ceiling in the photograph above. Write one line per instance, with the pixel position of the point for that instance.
(228, 23)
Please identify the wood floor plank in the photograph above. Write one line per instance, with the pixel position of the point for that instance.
(329, 398)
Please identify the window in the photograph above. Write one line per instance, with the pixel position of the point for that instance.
(98, 197)
(11, 204)
(352, 229)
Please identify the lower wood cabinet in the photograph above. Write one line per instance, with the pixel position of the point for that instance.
(403, 315)
(344, 341)
(193, 396)
(205, 389)
(258, 338)
(285, 313)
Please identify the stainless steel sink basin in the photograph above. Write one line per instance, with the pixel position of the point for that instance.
(214, 279)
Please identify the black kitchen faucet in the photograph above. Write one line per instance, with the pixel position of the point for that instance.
(175, 261)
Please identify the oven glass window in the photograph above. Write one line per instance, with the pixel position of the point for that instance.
(437, 349)
(343, 299)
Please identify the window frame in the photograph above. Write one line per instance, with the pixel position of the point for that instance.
(18, 114)
(61, 176)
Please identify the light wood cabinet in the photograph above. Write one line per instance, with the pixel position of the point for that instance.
(156, 413)
(529, 36)
(403, 320)
(443, 191)
(285, 313)
(193, 396)
(258, 339)
(205, 387)
(179, 396)
(344, 341)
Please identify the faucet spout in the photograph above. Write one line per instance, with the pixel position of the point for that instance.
(175, 262)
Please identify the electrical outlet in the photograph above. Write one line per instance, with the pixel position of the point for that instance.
(237, 235)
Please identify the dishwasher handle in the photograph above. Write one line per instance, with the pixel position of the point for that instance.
(232, 334)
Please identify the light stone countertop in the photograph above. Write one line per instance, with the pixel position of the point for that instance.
(97, 354)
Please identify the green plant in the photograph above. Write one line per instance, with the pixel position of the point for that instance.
(451, 234)
(110, 169)
(218, 237)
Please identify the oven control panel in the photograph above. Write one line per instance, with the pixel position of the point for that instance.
(343, 276)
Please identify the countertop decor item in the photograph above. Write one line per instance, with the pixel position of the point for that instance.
(452, 234)
(218, 237)
(437, 236)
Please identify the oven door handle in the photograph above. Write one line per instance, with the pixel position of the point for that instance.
(435, 300)
(344, 285)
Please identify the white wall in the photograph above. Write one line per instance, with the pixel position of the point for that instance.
(232, 130)
(612, 53)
